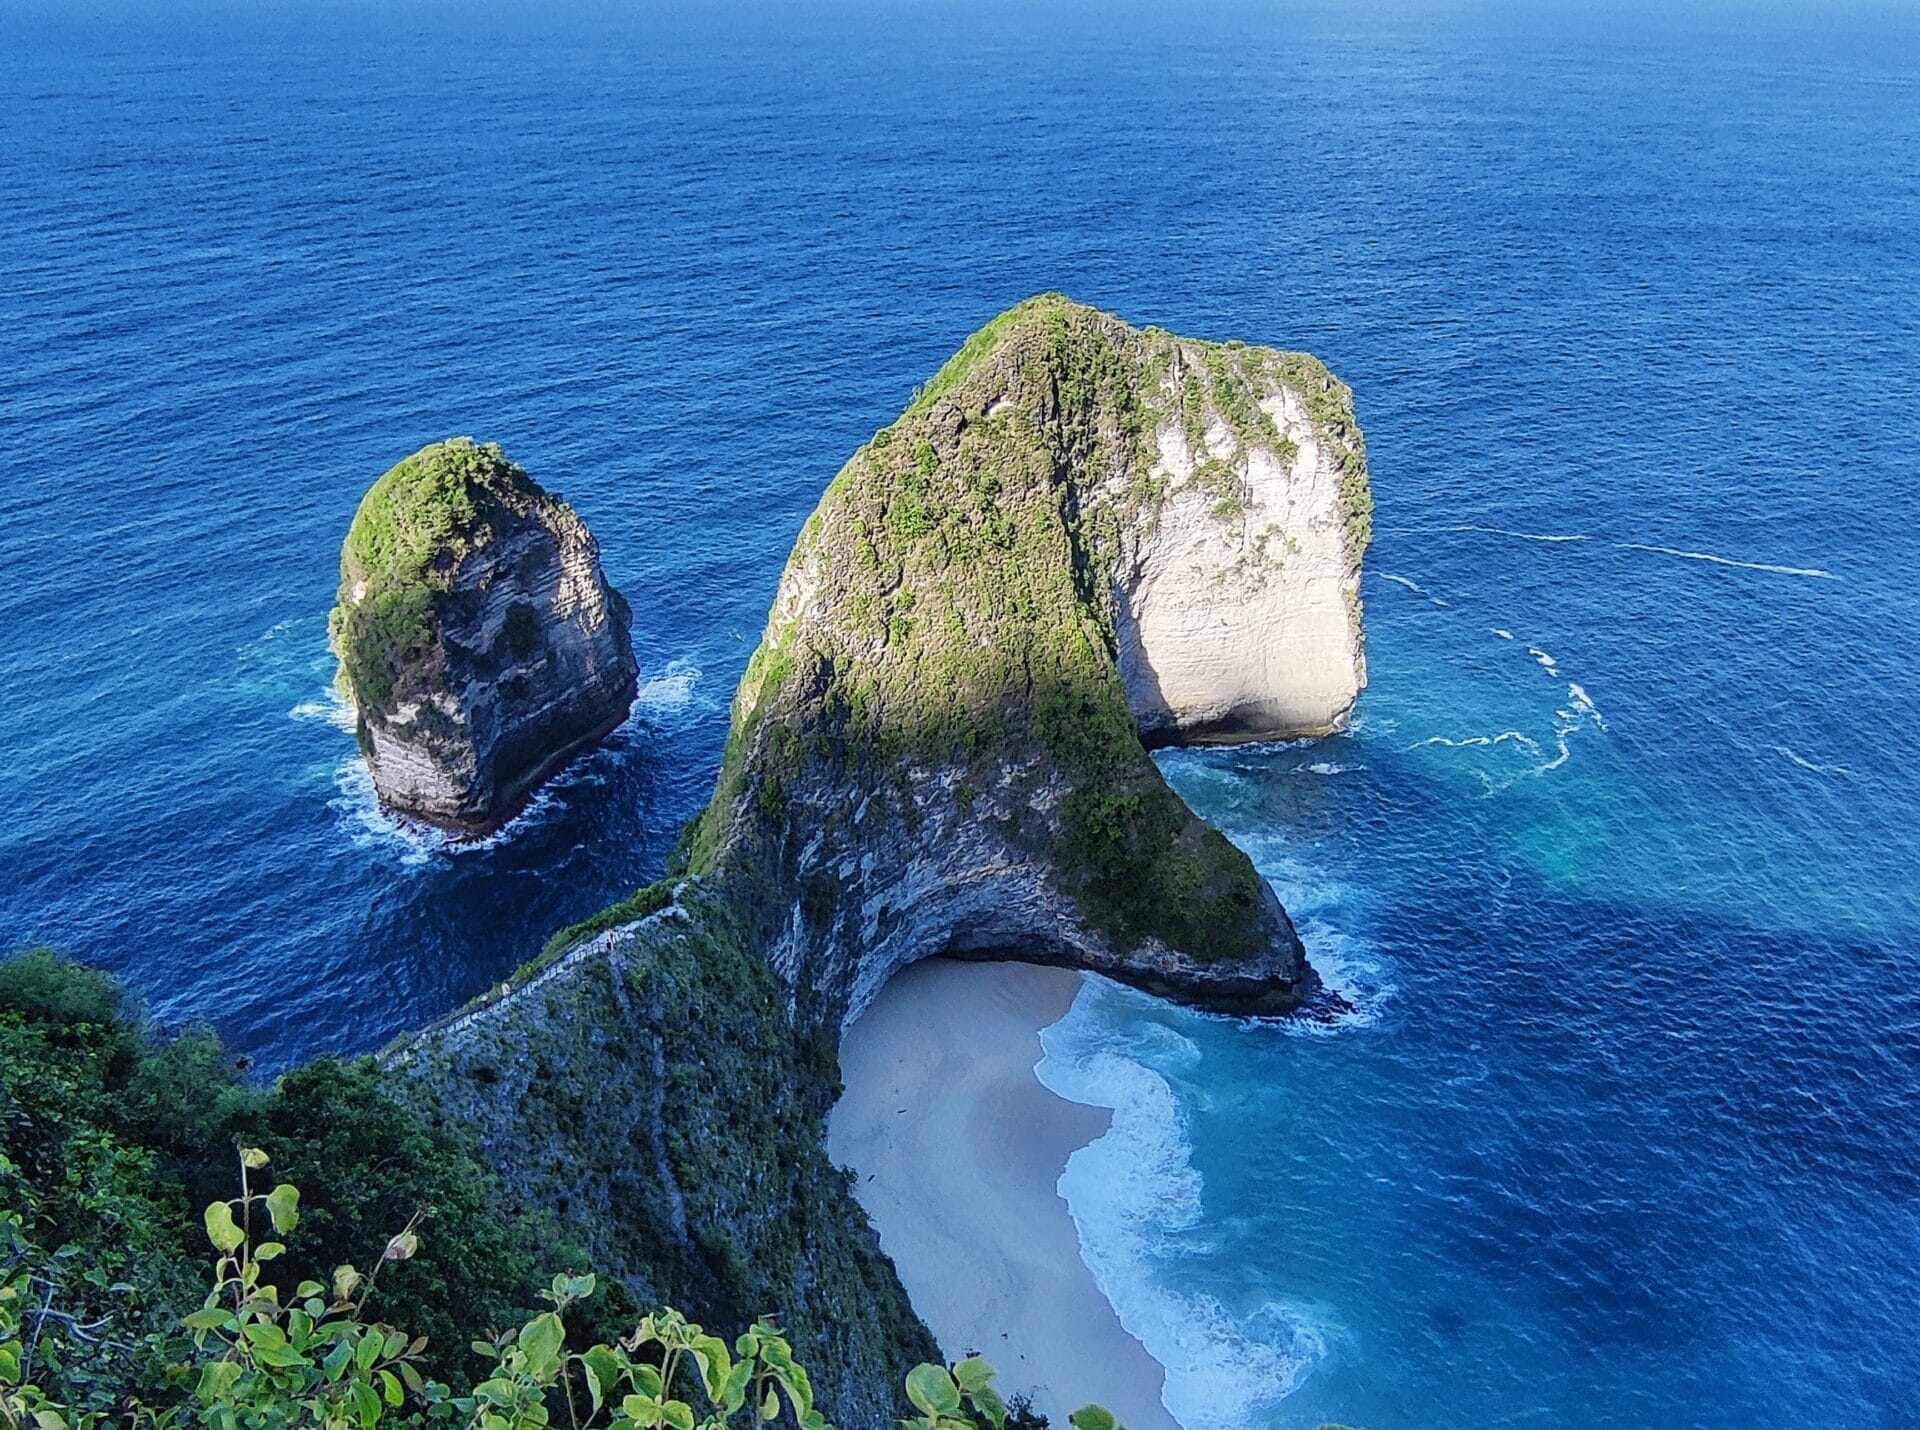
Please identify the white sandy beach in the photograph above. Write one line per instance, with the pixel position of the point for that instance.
(958, 1149)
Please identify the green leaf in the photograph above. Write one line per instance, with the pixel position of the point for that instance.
(715, 1364)
(734, 1394)
(283, 1205)
(541, 1341)
(265, 1335)
(390, 1389)
(368, 1351)
(1093, 1417)
(211, 1319)
(345, 1282)
(986, 1400)
(336, 1361)
(221, 1231)
(933, 1392)
(253, 1159)
(366, 1404)
(973, 1373)
(267, 1250)
(603, 1372)
(50, 1420)
(216, 1380)
(676, 1415)
(798, 1383)
(775, 1353)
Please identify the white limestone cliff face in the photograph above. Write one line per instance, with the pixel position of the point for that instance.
(1237, 595)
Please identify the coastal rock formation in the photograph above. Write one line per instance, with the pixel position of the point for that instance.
(1079, 538)
(478, 639)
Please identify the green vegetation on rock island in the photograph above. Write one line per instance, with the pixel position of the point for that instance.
(406, 540)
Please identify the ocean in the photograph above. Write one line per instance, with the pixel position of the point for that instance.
(1617, 864)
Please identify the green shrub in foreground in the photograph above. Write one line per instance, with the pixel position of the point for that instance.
(111, 1135)
(260, 1361)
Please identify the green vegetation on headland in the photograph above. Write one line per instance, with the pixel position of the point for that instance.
(111, 1138)
(401, 550)
(106, 1311)
(661, 1098)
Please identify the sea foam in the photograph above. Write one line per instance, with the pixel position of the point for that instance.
(1134, 1196)
(672, 692)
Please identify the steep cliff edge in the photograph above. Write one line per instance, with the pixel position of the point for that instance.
(478, 639)
(1080, 537)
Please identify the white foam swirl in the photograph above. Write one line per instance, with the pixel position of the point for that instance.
(1809, 765)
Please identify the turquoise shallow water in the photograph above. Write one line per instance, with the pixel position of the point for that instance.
(1618, 860)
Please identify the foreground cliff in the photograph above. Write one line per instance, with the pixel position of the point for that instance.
(478, 638)
(1079, 539)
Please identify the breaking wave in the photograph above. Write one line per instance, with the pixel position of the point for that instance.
(674, 690)
(1134, 1195)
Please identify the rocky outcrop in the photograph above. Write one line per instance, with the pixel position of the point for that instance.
(1080, 537)
(478, 638)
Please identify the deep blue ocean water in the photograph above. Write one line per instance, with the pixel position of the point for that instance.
(1618, 863)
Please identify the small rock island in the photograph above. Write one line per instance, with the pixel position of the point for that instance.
(478, 638)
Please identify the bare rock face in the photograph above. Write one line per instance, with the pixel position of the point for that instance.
(1237, 597)
(478, 638)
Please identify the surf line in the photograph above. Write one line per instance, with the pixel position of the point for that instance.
(1814, 572)
(1416, 588)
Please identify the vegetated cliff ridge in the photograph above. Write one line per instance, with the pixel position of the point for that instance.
(478, 638)
(1080, 536)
